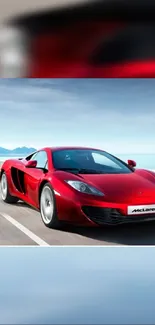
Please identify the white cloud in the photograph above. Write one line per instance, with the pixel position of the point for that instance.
(70, 112)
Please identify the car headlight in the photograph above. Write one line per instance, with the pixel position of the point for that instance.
(84, 188)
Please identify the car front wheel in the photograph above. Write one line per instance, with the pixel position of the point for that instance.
(48, 207)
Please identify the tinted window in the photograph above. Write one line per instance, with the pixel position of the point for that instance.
(41, 158)
(104, 160)
(30, 157)
(90, 160)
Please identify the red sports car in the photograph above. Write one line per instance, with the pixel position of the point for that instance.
(82, 186)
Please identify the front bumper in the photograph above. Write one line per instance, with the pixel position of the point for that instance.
(110, 216)
(83, 210)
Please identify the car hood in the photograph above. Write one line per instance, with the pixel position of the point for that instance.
(123, 187)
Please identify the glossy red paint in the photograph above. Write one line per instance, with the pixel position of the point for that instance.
(66, 52)
(31, 164)
(69, 53)
(131, 163)
(120, 190)
(129, 69)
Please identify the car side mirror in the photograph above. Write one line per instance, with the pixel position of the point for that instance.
(31, 164)
(132, 163)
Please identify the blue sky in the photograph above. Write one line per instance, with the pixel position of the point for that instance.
(77, 285)
(116, 115)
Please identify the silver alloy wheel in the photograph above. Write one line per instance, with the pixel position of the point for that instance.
(4, 187)
(47, 205)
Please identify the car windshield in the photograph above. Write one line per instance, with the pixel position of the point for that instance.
(87, 161)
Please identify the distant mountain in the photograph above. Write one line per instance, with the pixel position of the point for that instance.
(17, 151)
(21, 150)
(4, 151)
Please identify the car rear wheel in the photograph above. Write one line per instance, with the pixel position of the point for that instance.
(48, 207)
(4, 188)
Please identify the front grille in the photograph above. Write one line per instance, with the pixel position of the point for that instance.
(110, 216)
(139, 218)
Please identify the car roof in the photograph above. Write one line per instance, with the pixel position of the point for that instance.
(53, 149)
(15, 8)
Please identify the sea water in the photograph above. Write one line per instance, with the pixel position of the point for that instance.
(146, 161)
(3, 158)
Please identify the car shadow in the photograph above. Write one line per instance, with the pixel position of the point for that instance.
(127, 234)
(23, 204)
(131, 234)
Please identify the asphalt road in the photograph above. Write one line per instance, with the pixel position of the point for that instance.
(21, 225)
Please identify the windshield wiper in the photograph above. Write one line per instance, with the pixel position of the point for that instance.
(81, 170)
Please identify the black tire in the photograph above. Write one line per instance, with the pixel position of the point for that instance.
(53, 221)
(7, 198)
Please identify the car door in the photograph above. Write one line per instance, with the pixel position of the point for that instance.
(33, 176)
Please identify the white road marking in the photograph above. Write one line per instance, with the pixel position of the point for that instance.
(26, 231)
